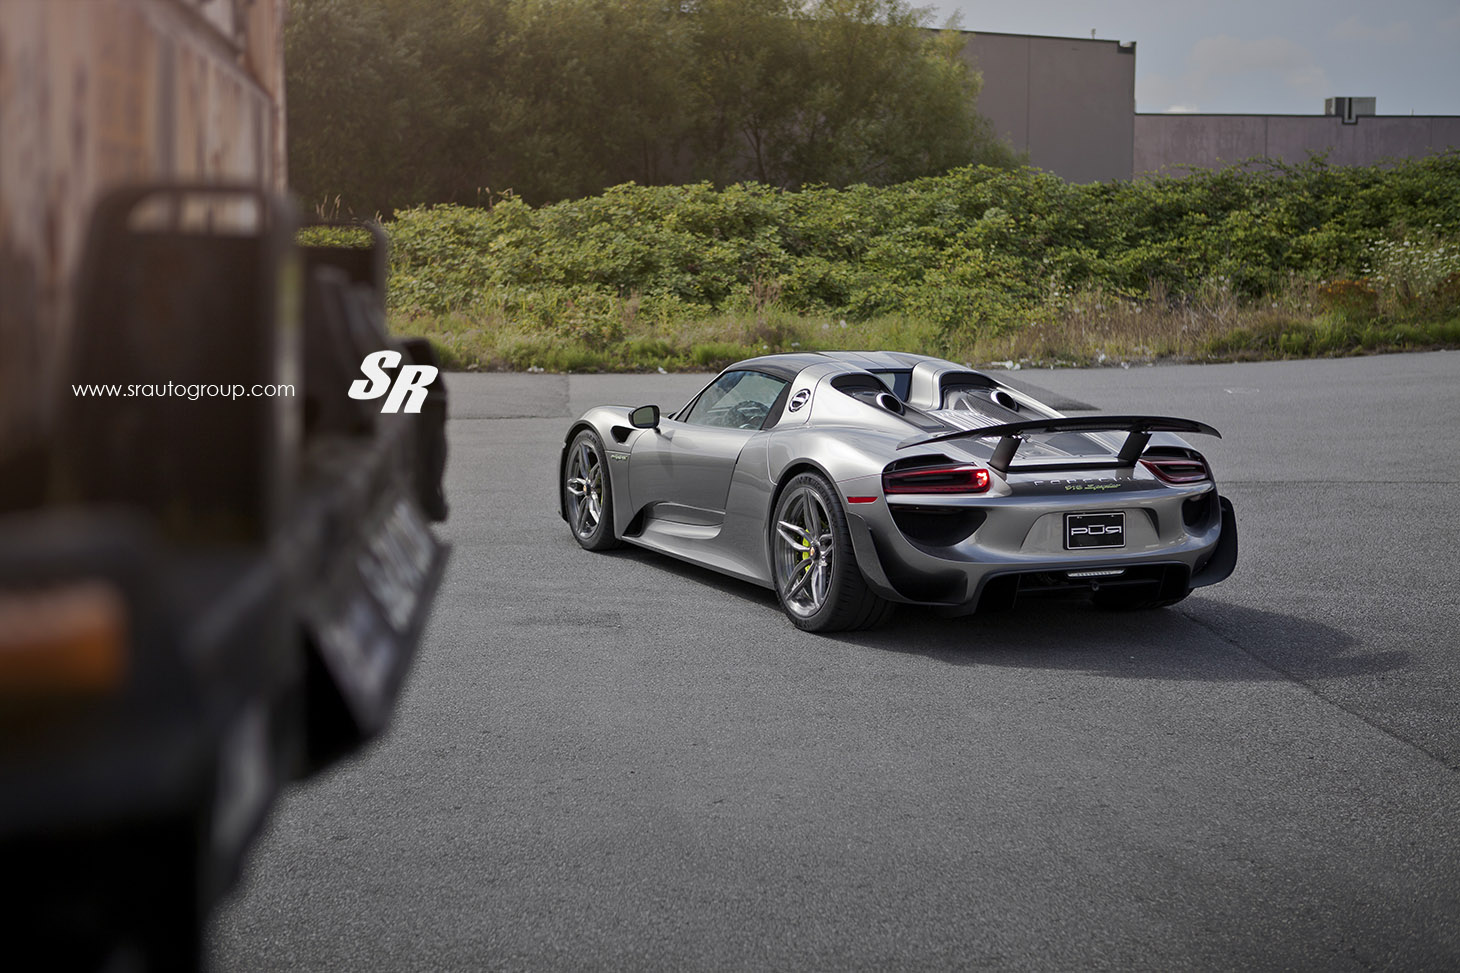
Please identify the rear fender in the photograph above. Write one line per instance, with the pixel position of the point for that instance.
(1224, 558)
(840, 453)
(838, 460)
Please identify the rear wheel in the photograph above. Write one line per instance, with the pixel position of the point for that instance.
(814, 569)
(586, 496)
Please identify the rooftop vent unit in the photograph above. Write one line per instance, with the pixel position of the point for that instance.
(1349, 109)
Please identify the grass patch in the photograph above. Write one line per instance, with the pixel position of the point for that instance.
(491, 342)
(1327, 337)
(1091, 336)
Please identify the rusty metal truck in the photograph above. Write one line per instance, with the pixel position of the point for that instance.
(215, 563)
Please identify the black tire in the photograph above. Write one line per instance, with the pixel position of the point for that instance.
(828, 593)
(586, 493)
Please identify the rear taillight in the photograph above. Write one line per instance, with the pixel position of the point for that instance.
(1178, 469)
(955, 478)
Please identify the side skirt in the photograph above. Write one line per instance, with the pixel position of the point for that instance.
(691, 551)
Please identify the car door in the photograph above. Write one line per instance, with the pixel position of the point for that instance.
(684, 467)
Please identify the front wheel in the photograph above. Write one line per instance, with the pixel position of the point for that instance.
(815, 571)
(586, 496)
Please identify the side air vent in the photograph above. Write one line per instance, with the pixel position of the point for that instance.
(937, 526)
(1201, 511)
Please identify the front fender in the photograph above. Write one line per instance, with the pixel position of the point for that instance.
(611, 423)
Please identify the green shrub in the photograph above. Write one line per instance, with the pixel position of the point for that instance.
(969, 260)
(1416, 273)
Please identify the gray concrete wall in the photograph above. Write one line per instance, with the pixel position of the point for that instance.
(1170, 144)
(1069, 103)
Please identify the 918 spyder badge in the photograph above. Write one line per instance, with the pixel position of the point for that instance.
(800, 399)
(1095, 530)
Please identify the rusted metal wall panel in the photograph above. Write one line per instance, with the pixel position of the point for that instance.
(98, 93)
(28, 244)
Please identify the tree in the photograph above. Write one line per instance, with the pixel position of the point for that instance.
(397, 102)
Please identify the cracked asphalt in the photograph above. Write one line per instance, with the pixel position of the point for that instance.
(621, 762)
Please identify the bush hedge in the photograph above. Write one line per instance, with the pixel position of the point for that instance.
(973, 255)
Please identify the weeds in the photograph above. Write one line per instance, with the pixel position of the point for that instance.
(1094, 329)
(977, 265)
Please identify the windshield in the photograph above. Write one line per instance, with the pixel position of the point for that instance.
(737, 400)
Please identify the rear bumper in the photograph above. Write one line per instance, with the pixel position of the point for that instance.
(1171, 556)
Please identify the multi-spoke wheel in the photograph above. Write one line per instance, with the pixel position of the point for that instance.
(814, 568)
(586, 498)
(804, 551)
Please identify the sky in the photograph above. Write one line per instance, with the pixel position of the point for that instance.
(1256, 56)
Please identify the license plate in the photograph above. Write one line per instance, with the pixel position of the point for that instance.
(1094, 530)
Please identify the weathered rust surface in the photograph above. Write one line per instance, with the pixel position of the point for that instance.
(99, 93)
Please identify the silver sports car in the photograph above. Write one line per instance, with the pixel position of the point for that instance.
(853, 481)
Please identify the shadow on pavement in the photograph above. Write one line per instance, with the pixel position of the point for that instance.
(1200, 639)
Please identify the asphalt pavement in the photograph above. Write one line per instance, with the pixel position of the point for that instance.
(617, 761)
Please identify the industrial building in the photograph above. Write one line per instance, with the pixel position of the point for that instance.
(1069, 104)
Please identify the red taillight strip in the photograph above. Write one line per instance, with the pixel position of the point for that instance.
(960, 478)
(1179, 470)
(861, 499)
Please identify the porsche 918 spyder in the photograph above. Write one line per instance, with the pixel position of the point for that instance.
(850, 482)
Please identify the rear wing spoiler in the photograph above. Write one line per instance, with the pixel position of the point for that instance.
(1012, 434)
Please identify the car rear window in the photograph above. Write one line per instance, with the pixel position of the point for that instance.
(898, 381)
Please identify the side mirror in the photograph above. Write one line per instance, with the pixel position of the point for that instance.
(645, 417)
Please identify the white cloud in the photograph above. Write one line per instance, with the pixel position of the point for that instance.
(1354, 29)
(1157, 89)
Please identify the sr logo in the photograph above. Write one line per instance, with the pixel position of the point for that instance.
(413, 381)
(800, 399)
(1098, 530)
